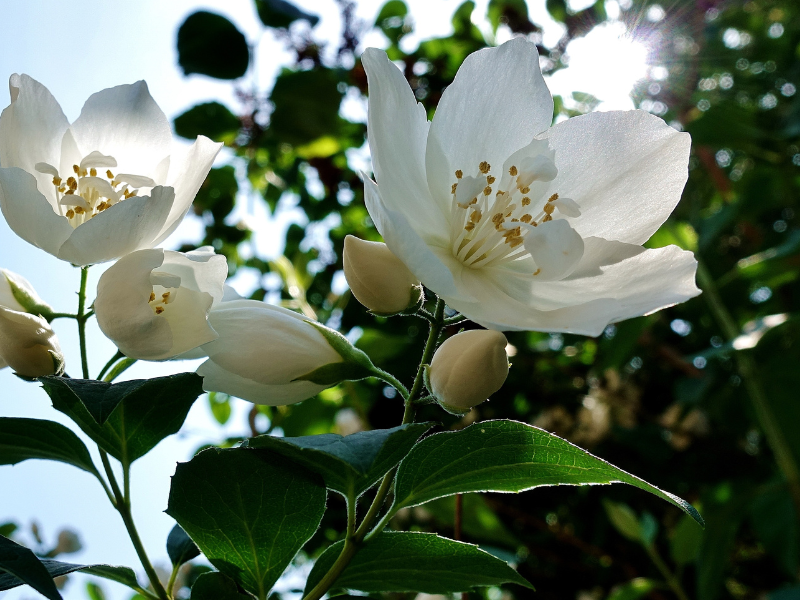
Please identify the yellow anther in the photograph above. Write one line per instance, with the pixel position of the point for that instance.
(469, 226)
(547, 218)
(498, 218)
(525, 190)
(77, 169)
(473, 201)
(102, 206)
(459, 174)
(487, 190)
(109, 174)
(475, 216)
(72, 183)
(513, 171)
(484, 167)
(79, 210)
(69, 192)
(56, 181)
(526, 201)
(515, 242)
(159, 310)
(93, 172)
(84, 172)
(553, 198)
(548, 208)
(490, 180)
(453, 189)
(537, 272)
(515, 220)
(62, 189)
(526, 218)
(70, 214)
(152, 296)
(165, 297)
(130, 194)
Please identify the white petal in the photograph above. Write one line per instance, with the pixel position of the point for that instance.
(556, 247)
(397, 131)
(187, 174)
(626, 170)
(31, 129)
(29, 213)
(96, 159)
(536, 168)
(166, 280)
(137, 181)
(568, 207)
(405, 244)
(199, 270)
(127, 226)
(469, 188)
(186, 317)
(217, 379)
(101, 185)
(126, 123)
(47, 169)
(496, 105)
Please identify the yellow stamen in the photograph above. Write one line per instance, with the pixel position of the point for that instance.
(165, 296)
(484, 167)
(453, 189)
(159, 310)
(526, 218)
(513, 171)
(490, 180)
(548, 208)
(547, 218)
(77, 169)
(475, 216)
(56, 181)
(469, 226)
(70, 213)
(79, 210)
(526, 201)
(525, 190)
(93, 172)
(109, 174)
(152, 296)
(553, 198)
(459, 174)
(487, 190)
(537, 272)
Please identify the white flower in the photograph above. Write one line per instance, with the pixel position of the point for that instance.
(513, 223)
(18, 294)
(153, 304)
(93, 191)
(262, 350)
(28, 344)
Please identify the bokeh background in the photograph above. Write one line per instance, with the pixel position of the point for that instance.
(683, 398)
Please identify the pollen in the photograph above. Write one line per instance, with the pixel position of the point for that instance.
(484, 167)
(548, 208)
(526, 218)
(159, 310)
(165, 297)
(469, 226)
(453, 189)
(487, 190)
(547, 218)
(525, 190)
(76, 169)
(109, 174)
(56, 181)
(513, 171)
(475, 216)
(72, 183)
(553, 198)
(526, 201)
(459, 174)
(490, 180)
(70, 214)
(535, 273)
(79, 210)
(515, 242)
(93, 172)
(152, 296)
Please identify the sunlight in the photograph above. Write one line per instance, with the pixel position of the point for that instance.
(606, 63)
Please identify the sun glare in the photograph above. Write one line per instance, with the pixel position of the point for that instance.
(605, 63)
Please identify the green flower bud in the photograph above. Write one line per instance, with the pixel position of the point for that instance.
(468, 368)
(378, 279)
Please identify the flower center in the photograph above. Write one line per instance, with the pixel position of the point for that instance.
(164, 292)
(85, 194)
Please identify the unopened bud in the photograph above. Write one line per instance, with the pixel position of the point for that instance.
(378, 279)
(468, 368)
(28, 344)
(18, 294)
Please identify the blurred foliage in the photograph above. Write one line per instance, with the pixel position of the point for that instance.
(662, 396)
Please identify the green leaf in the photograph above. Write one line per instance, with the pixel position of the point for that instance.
(94, 591)
(240, 508)
(281, 14)
(684, 545)
(180, 546)
(349, 465)
(21, 564)
(136, 415)
(505, 456)
(416, 562)
(55, 568)
(392, 21)
(216, 586)
(23, 439)
(211, 45)
(636, 588)
(210, 119)
(623, 519)
(220, 405)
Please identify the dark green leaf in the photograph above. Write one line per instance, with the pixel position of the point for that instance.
(279, 13)
(684, 545)
(240, 508)
(55, 568)
(623, 519)
(180, 546)
(210, 119)
(416, 562)
(505, 456)
(349, 465)
(144, 413)
(211, 45)
(636, 588)
(774, 519)
(21, 564)
(94, 591)
(23, 439)
(392, 20)
(216, 586)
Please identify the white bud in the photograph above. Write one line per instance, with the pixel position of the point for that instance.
(18, 294)
(378, 279)
(28, 344)
(468, 368)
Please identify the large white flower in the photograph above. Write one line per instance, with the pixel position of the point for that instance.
(516, 224)
(153, 304)
(93, 191)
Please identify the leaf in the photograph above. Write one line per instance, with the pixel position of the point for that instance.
(505, 456)
(349, 465)
(55, 568)
(138, 414)
(281, 14)
(684, 545)
(636, 588)
(220, 405)
(23, 439)
(416, 562)
(21, 564)
(216, 586)
(391, 20)
(239, 509)
(210, 119)
(211, 45)
(180, 546)
(623, 519)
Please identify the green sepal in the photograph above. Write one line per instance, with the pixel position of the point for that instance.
(28, 302)
(58, 363)
(417, 301)
(453, 410)
(355, 363)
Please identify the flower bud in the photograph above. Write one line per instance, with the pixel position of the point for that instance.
(28, 344)
(468, 368)
(18, 294)
(378, 279)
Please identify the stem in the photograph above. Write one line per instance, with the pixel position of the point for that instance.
(109, 364)
(53, 316)
(81, 318)
(171, 583)
(673, 583)
(392, 381)
(755, 391)
(427, 353)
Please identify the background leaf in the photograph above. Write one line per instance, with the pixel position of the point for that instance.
(180, 546)
(211, 45)
(23, 439)
(211, 119)
(216, 586)
(279, 13)
(55, 568)
(21, 564)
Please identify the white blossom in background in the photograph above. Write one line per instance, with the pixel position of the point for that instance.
(98, 188)
(153, 304)
(516, 224)
(261, 351)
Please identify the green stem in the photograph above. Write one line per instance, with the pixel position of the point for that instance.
(752, 383)
(81, 318)
(392, 381)
(53, 316)
(109, 364)
(171, 583)
(672, 582)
